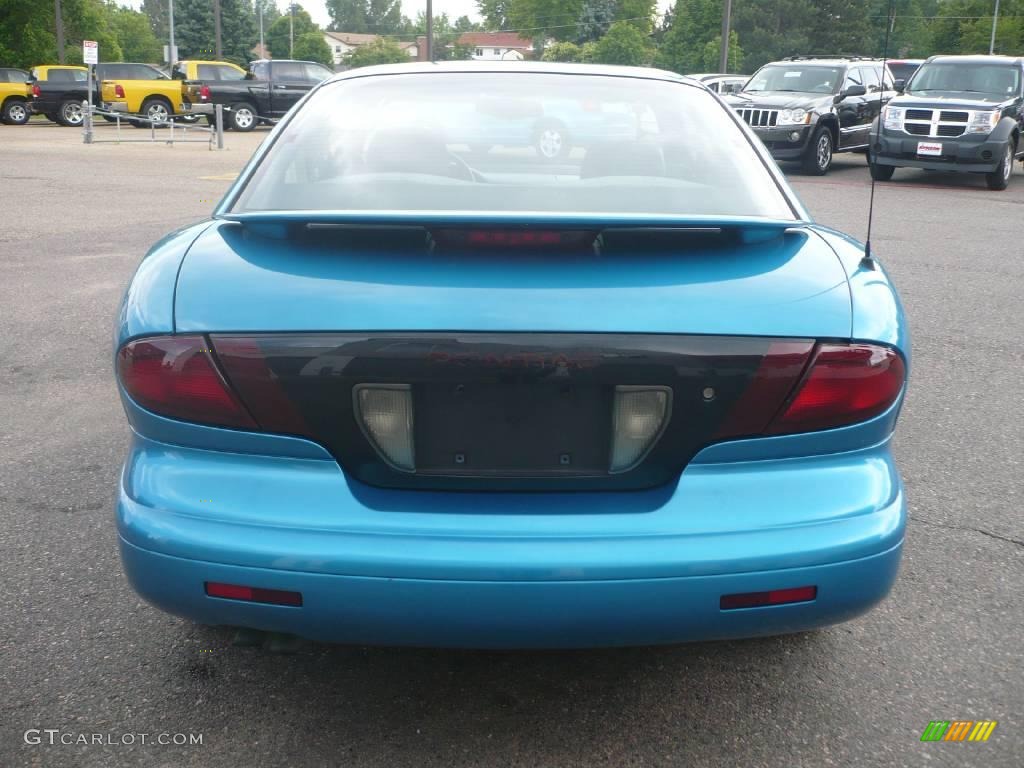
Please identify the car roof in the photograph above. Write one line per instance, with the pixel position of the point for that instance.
(978, 58)
(504, 67)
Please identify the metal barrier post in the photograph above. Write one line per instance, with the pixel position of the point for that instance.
(219, 108)
(87, 122)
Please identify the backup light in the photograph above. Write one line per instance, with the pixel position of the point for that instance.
(384, 412)
(638, 418)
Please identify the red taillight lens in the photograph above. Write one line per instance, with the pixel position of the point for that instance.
(253, 594)
(119, 91)
(36, 91)
(513, 238)
(773, 597)
(204, 92)
(176, 376)
(846, 383)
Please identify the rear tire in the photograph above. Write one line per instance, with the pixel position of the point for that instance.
(817, 157)
(999, 179)
(15, 112)
(157, 110)
(71, 113)
(243, 116)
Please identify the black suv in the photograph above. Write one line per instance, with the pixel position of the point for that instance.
(957, 113)
(806, 108)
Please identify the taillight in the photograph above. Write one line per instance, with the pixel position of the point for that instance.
(118, 91)
(175, 376)
(845, 384)
(204, 92)
(36, 91)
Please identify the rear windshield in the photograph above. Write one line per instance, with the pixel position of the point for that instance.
(514, 142)
(959, 77)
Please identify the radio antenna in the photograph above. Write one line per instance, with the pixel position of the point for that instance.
(890, 22)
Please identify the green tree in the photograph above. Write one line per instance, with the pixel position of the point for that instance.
(545, 18)
(595, 19)
(312, 47)
(277, 35)
(135, 36)
(693, 24)
(89, 20)
(563, 52)
(494, 12)
(624, 44)
(381, 17)
(156, 12)
(380, 51)
(26, 33)
(195, 32)
(712, 58)
(639, 13)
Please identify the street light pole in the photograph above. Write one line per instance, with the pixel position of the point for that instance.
(216, 27)
(430, 31)
(723, 63)
(992, 41)
(263, 51)
(170, 24)
(291, 31)
(60, 32)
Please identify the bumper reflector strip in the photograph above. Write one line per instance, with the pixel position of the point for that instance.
(253, 594)
(774, 597)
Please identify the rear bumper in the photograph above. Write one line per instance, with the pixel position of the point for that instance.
(510, 570)
(511, 614)
(977, 155)
(189, 108)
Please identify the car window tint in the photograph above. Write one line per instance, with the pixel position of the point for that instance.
(486, 142)
(289, 70)
(869, 77)
(260, 71)
(853, 77)
(228, 73)
(316, 73)
(208, 72)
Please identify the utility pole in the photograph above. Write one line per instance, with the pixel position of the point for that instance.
(430, 31)
(216, 27)
(995, 19)
(170, 25)
(723, 63)
(60, 32)
(291, 31)
(263, 51)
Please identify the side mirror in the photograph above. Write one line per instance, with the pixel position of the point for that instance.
(899, 85)
(854, 90)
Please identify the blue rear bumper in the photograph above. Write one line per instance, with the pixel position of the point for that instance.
(510, 570)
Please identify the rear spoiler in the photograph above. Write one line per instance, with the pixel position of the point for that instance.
(747, 229)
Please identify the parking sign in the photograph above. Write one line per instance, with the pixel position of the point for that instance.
(90, 52)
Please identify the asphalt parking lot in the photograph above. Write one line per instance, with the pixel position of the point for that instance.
(79, 652)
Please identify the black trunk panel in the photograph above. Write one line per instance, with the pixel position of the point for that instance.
(498, 411)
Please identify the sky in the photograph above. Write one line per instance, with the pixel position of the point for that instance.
(454, 8)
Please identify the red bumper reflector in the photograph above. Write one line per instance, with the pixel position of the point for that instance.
(774, 597)
(253, 594)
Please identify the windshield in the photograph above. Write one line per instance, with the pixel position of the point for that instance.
(796, 78)
(514, 142)
(958, 77)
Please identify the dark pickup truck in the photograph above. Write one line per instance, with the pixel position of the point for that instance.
(270, 88)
